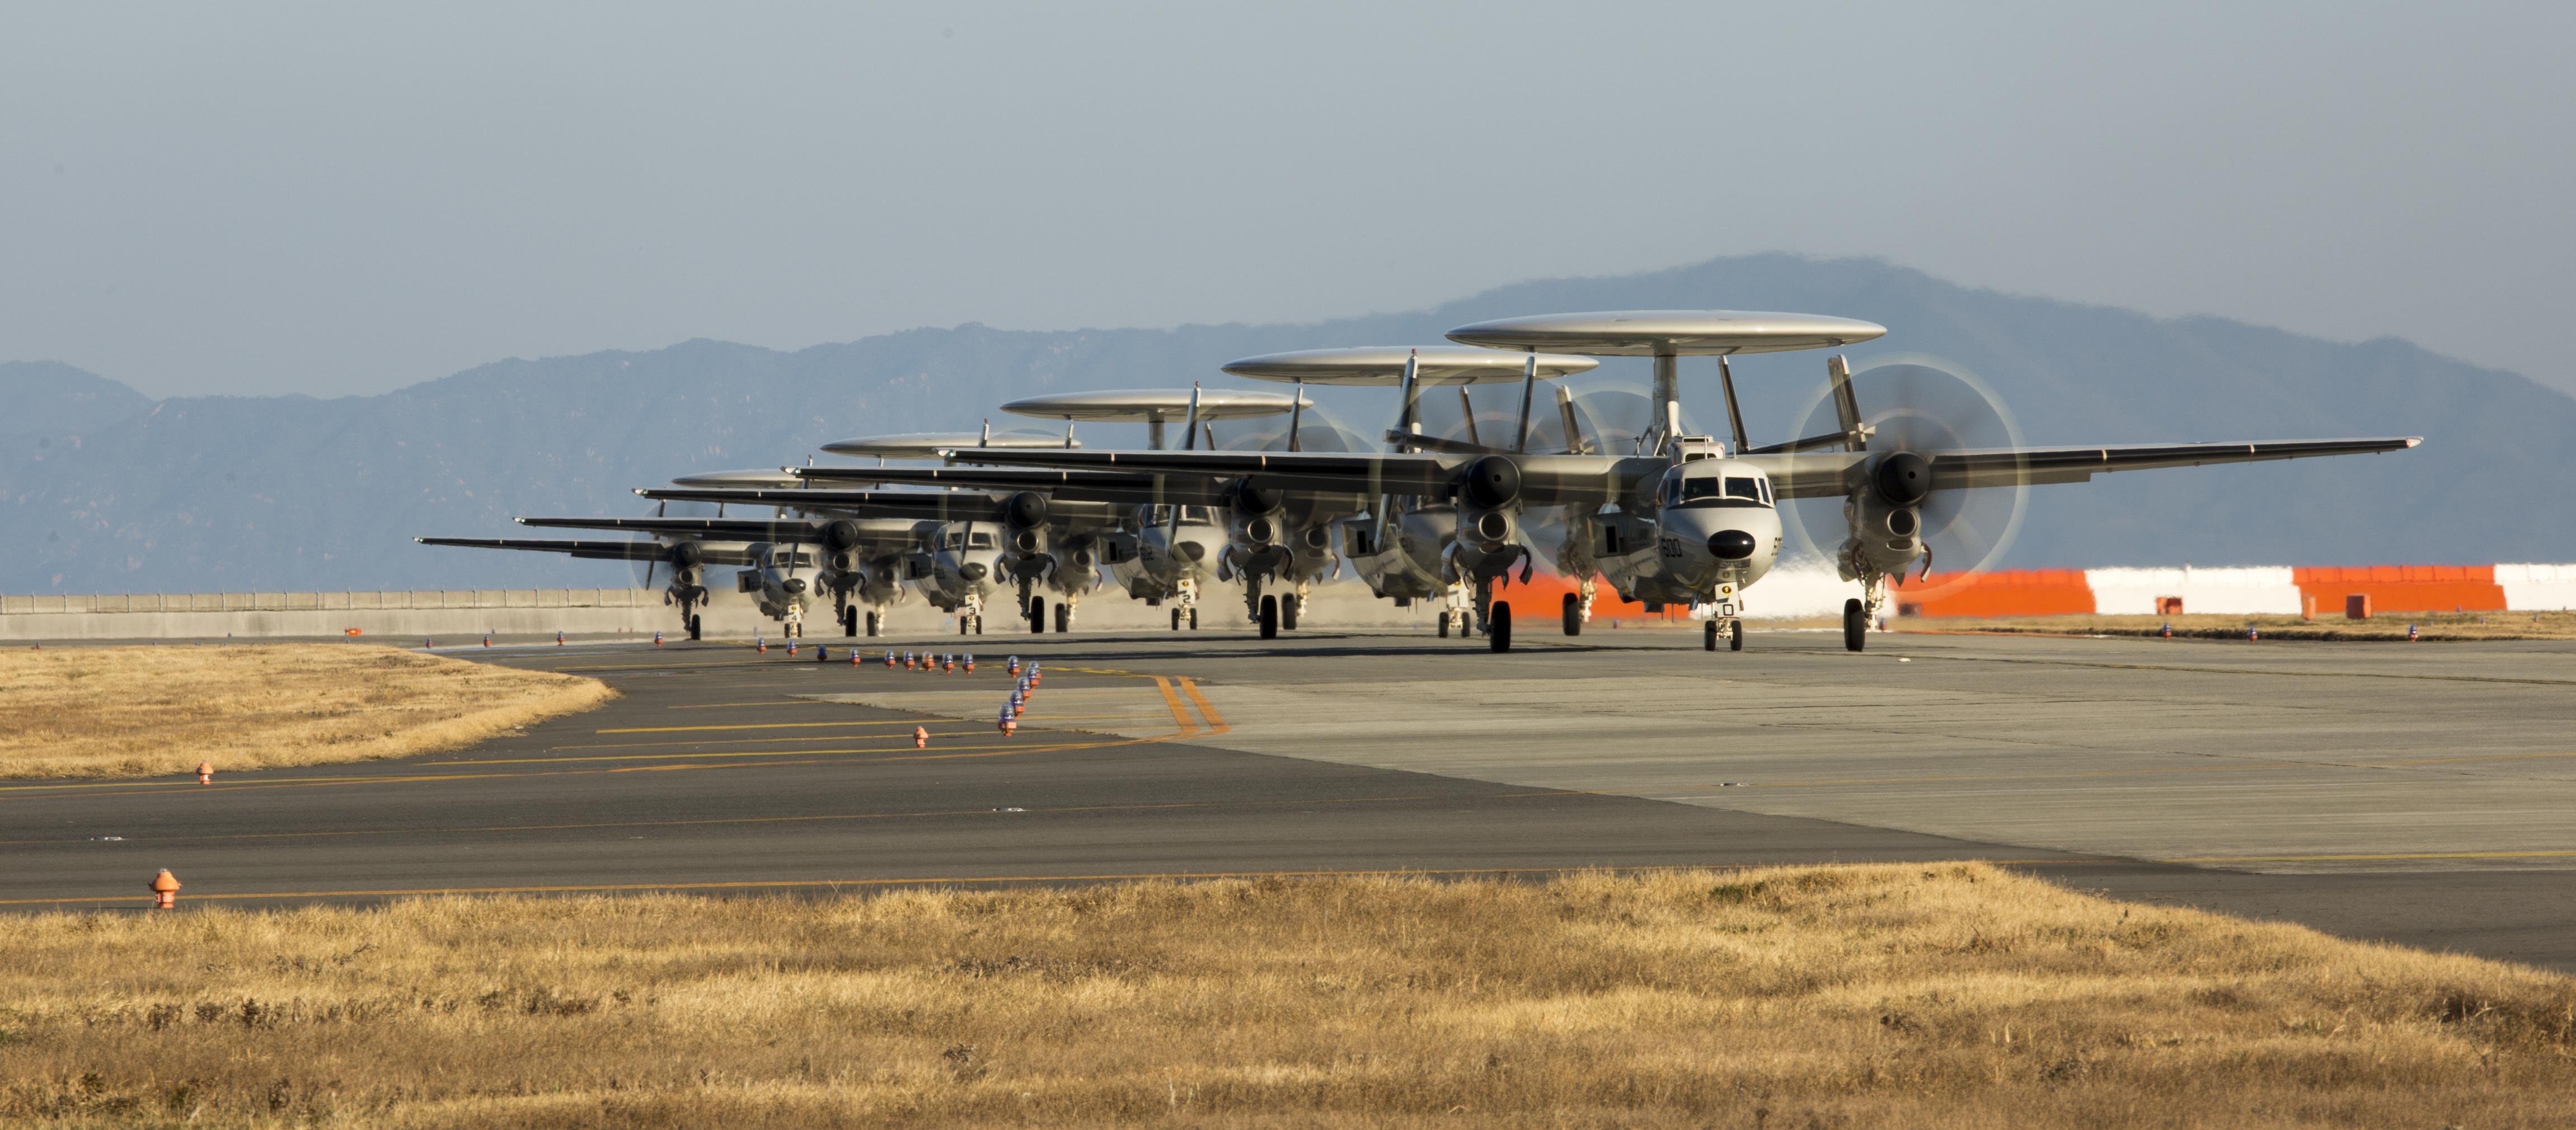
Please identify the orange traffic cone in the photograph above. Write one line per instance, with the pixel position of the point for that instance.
(205, 772)
(165, 890)
(920, 738)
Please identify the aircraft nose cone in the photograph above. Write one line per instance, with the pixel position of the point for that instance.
(1193, 550)
(1731, 545)
(972, 570)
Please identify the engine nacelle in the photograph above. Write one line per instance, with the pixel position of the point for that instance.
(1024, 510)
(1490, 483)
(1900, 478)
(1487, 529)
(1250, 499)
(1886, 535)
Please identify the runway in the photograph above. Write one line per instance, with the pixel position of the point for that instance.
(2418, 794)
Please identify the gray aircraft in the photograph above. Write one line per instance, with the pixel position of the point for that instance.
(1673, 522)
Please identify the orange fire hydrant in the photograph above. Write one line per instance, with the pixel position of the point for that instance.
(165, 890)
(920, 738)
(205, 772)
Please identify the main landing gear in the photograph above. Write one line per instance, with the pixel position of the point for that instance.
(1855, 625)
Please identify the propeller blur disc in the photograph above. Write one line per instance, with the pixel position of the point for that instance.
(1925, 404)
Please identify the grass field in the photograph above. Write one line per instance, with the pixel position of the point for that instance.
(1938, 996)
(2386, 627)
(143, 711)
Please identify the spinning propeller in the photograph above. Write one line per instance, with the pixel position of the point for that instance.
(1915, 404)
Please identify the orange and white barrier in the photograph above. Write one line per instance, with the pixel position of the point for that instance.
(2237, 591)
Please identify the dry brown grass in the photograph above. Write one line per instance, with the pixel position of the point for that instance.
(2385, 627)
(141, 711)
(1939, 996)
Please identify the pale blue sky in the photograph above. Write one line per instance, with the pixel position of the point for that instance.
(337, 198)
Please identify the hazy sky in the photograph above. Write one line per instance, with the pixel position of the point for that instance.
(342, 198)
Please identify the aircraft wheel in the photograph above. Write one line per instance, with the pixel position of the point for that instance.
(1194, 619)
(1444, 625)
(697, 626)
(1288, 613)
(873, 624)
(1498, 626)
(1063, 617)
(1176, 619)
(1270, 617)
(1573, 615)
(1037, 615)
(849, 621)
(1855, 625)
(1708, 636)
(1735, 637)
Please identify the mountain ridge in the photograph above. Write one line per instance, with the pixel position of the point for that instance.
(296, 492)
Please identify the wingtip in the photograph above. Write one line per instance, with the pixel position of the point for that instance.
(2414, 441)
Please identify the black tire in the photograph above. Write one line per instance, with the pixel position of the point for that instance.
(1855, 626)
(1288, 613)
(874, 625)
(1444, 625)
(1063, 617)
(1176, 619)
(1194, 619)
(1573, 615)
(1498, 626)
(1708, 636)
(1037, 615)
(1735, 637)
(849, 622)
(697, 626)
(1270, 617)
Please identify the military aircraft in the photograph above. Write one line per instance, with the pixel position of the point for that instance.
(1685, 519)
(1407, 547)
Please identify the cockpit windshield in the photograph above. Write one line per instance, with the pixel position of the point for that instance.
(1718, 490)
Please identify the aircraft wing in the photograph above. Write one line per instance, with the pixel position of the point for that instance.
(713, 554)
(1132, 487)
(1335, 471)
(1546, 480)
(941, 505)
(1823, 474)
(728, 529)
